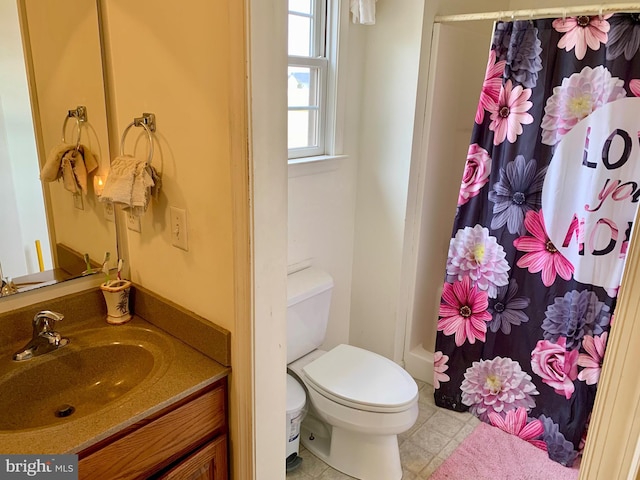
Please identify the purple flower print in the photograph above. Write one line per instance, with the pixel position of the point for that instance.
(523, 58)
(576, 314)
(507, 309)
(559, 449)
(502, 39)
(518, 191)
(624, 37)
(517, 44)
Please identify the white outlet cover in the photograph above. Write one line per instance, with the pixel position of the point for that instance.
(133, 222)
(178, 227)
(109, 212)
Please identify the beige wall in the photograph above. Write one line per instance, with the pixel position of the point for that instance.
(391, 65)
(187, 67)
(396, 53)
(178, 70)
(455, 90)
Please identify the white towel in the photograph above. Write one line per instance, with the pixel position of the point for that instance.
(71, 163)
(140, 193)
(128, 184)
(363, 11)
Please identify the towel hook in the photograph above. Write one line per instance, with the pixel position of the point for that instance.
(80, 116)
(148, 122)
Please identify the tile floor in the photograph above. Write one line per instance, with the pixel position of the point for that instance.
(435, 435)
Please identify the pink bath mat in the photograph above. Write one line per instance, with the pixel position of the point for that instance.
(488, 453)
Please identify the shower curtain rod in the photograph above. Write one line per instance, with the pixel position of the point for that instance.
(540, 13)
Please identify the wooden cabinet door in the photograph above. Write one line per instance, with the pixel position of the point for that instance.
(207, 463)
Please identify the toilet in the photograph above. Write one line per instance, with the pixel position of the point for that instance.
(357, 401)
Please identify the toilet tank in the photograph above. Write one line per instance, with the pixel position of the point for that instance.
(308, 301)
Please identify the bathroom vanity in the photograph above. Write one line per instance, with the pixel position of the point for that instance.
(147, 399)
(185, 440)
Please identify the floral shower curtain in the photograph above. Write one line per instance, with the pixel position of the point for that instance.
(548, 196)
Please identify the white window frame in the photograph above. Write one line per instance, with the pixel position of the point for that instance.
(325, 49)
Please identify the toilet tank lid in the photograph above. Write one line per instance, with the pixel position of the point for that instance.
(306, 283)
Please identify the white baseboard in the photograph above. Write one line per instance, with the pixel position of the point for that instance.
(419, 364)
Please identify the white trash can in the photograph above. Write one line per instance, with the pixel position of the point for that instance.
(296, 401)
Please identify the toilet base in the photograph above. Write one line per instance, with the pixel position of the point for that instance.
(363, 456)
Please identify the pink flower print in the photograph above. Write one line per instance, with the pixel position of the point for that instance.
(463, 311)
(497, 385)
(557, 367)
(510, 113)
(476, 254)
(592, 360)
(577, 97)
(634, 86)
(582, 32)
(515, 423)
(541, 254)
(612, 292)
(476, 173)
(439, 367)
(490, 87)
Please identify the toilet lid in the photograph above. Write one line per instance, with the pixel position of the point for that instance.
(360, 378)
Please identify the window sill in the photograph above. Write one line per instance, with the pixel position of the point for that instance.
(299, 167)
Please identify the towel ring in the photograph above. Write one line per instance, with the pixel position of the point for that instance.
(80, 115)
(148, 122)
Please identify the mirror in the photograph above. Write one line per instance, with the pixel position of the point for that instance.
(51, 64)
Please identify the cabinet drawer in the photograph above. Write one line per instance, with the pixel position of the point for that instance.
(208, 463)
(159, 443)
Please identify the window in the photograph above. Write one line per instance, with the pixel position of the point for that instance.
(307, 78)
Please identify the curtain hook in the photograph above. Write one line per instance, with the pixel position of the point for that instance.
(500, 16)
(564, 15)
(600, 14)
(530, 17)
(513, 16)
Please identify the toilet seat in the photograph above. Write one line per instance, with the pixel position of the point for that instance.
(362, 380)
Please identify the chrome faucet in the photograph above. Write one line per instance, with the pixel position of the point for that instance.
(45, 338)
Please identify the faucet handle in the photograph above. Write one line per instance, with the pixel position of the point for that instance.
(45, 317)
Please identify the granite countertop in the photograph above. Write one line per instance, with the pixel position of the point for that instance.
(177, 371)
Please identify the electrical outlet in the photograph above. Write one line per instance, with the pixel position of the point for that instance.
(133, 222)
(179, 228)
(77, 201)
(109, 212)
